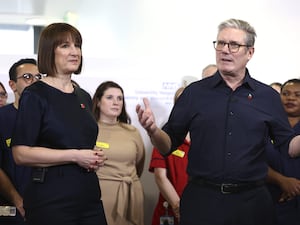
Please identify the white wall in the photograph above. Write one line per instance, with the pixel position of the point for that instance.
(175, 36)
(147, 46)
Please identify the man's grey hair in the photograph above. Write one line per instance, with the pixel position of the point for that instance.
(241, 25)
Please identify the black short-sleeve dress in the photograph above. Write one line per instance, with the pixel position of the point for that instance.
(68, 194)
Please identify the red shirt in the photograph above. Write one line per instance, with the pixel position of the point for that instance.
(175, 164)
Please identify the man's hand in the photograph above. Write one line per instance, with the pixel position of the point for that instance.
(146, 117)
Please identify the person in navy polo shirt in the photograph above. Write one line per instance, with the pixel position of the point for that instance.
(230, 117)
(13, 178)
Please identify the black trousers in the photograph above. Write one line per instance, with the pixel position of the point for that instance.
(68, 196)
(204, 206)
(288, 213)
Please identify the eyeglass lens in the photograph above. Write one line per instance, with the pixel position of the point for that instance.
(29, 76)
(3, 94)
(232, 46)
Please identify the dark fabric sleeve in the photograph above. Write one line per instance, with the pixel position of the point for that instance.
(29, 118)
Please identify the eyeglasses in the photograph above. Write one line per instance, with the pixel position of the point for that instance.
(232, 46)
(28, 77)
(3, 94)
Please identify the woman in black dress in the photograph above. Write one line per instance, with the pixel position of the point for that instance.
(55, 133)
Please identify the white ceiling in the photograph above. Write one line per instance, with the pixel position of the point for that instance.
(17, 12)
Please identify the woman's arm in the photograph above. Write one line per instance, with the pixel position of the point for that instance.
(167, 189)
(8, 190)
(44, 157)
(290, 186)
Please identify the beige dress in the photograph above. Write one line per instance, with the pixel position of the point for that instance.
(122, 192)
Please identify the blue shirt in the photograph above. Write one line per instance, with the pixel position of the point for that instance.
(229, 129)
(288, 212)
(19, 175)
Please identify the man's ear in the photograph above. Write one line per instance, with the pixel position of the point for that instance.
(12, 85)
(250, 52)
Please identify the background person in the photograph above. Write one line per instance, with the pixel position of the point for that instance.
(209, 70)
(277, 86)
(50, 136)
(122, 191)
(14, 178)
(171, 178)
(286, 177)
(3, 95)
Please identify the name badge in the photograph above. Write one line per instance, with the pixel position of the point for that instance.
(8, 211)
(178, 153)
(100, 144)
(8, 141)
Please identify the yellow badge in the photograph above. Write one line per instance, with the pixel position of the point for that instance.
(8, 141)
(178, 153)
(100, 144)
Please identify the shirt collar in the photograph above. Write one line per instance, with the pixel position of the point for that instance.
(248, 81)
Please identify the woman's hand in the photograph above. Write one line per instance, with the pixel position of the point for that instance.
(91, 159)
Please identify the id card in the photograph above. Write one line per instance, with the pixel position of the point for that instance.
(166, 220)
(100, 144)
(8, 211)
(179, 153)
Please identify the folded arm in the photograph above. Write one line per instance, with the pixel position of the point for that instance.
(44, 157)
